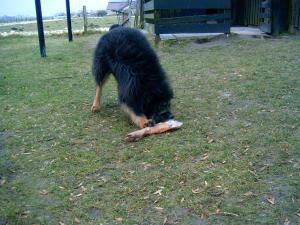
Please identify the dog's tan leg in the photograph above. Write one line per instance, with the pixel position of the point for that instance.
(96, 103)
(140, 121)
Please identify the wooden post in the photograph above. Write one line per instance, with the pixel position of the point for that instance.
(296, 7)
(292, 11)
(141, 11)
(84, 19)
(157, 40)
(137, 13)
(69, 20)
(40, 27)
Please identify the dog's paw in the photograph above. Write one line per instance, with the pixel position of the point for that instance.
(95, 108)
(132, 138)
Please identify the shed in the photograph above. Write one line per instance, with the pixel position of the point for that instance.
(216, 16)
(190, 16)
(123, 9)
(117, 5)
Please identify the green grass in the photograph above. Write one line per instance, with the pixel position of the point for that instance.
(77, 24)
(235, 160)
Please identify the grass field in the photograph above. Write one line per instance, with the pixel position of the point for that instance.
(235, 160)
(77, 24)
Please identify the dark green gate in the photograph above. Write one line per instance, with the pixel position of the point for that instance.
(217, 16)
(187, 16)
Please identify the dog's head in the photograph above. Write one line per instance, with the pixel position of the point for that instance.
(162, 113)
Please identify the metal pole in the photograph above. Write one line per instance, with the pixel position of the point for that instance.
(69, 20)
(40, 27)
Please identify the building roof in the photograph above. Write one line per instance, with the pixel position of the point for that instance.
(118, 1)
(117, 5)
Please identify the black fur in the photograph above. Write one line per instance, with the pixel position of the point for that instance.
(142, 83)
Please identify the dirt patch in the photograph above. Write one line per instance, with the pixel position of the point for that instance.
(3, 136)
(200, 43)
(94, 213)
(225, 94)
(297, 133)
(7, 171)
(3, 222)
(266, 162)
(252, 37)
(171, 216)
(280, 197)
(244, 104)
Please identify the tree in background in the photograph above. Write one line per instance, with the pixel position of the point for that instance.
(101, 13)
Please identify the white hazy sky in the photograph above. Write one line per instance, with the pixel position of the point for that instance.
(49, 7)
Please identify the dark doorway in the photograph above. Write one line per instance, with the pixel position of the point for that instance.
(245, 12)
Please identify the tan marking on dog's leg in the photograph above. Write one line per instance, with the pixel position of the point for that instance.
(140, 121)
(96, 103)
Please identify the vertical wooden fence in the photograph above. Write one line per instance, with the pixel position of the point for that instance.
(246, 12)
(297, 14)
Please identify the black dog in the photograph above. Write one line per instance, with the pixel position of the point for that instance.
(144, 91)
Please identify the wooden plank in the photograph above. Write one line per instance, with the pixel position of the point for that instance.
(194, 19)
(192, 28)
(192, 4)
(149, 16)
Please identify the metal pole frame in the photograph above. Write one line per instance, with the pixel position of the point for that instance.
(40, 27)
(69, 21)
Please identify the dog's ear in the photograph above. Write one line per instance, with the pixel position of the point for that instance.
(114, 26)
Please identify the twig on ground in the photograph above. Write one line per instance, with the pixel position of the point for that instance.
(224, 214)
